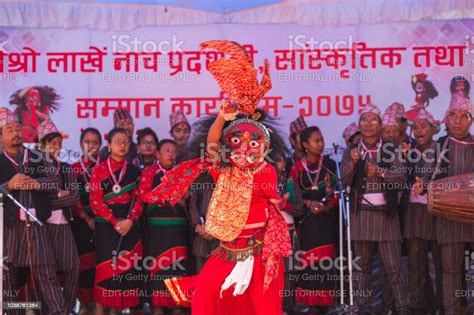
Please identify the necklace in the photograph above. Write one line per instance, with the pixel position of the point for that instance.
(116, 188)
(309, 172)
(460, 141)
(86, 175)
(366, 150)
(160, 168)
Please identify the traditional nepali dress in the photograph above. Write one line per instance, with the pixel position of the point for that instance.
(420, 233)
(83, 235)
(421, 224)
(318, 233)
(117, 281)
(293, 208)
(26, 244)
(166, 240)
(60, 233)
(254, 238)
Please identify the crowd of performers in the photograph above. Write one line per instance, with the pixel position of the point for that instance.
(243, 226)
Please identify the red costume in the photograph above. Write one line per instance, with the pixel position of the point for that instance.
(244, 275)
(165, 239)
(116, 281)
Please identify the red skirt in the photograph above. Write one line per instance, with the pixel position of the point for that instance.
(206, 299)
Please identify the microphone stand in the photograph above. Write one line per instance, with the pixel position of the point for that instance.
(23, 208)
(344, 209)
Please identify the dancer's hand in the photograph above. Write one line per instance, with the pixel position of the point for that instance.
(226, 115)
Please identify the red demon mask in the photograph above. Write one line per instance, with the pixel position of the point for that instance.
(248, 142)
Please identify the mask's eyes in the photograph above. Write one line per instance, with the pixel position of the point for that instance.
(235, 140)
(254, 144)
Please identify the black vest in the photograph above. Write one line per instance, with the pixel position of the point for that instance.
(360, 179)
(34, 169)
(444, 166)
(65, 169)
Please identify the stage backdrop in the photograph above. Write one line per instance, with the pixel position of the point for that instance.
(326, 75)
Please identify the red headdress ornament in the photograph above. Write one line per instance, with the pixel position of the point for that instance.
(237, 77)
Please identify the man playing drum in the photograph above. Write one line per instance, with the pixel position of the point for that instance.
(453, 235)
